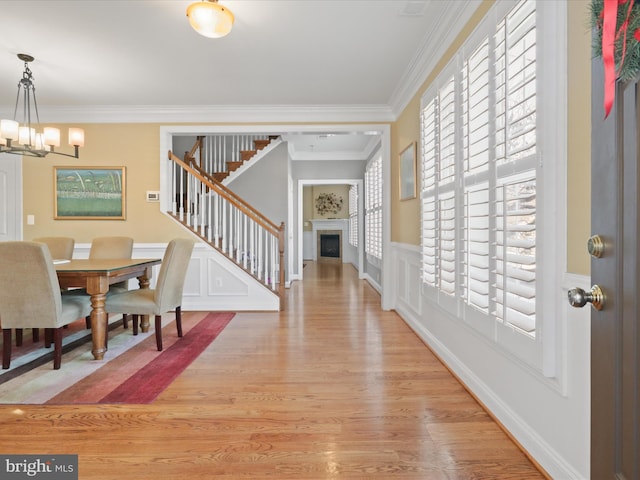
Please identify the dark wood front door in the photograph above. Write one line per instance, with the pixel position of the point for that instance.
(615, 330)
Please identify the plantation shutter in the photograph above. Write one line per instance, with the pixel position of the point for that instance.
(353, 215)
(516, 167)
(476, 164)
(373, 208)
(446, 187)
(429, 233)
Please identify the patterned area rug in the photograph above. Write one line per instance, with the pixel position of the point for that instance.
(132, 371)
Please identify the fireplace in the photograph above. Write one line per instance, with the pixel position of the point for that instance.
(329, 246)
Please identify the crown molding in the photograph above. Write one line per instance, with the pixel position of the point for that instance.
(452, 20)
(210, 113)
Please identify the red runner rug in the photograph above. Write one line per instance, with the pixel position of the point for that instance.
(148, 382)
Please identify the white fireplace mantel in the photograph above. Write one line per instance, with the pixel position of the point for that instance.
(332, 224)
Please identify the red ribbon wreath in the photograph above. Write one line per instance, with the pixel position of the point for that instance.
(609, 37)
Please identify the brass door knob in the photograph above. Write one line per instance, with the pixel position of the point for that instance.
(579, 298)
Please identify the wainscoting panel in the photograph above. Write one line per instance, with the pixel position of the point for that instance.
(213, 282)
(408, 279)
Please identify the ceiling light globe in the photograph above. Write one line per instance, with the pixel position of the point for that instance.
(210, 19)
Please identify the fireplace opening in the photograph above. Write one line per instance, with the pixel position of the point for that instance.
(330, 246)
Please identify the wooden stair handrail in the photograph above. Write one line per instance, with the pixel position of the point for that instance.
(229, 195)
(196, 146)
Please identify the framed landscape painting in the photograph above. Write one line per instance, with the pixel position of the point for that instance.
(96, 193)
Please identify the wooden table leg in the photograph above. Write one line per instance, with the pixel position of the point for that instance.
(143, 281)
(98, 288)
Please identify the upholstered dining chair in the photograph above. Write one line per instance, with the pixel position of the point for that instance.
(30, 296)
(60, 248)
(112, 248)
(166, 295)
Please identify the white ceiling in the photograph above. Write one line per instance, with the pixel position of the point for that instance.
(308, 60)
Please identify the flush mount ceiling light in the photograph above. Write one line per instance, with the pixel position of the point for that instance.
(210, 19)
(24, 138)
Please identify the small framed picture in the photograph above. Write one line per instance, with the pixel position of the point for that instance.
(89, 193)
(408, 172)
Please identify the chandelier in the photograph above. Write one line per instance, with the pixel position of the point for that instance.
(24, 138)
(210, 19)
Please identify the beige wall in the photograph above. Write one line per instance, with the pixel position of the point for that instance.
(578, 144)
(307, 207)
(135, 146)
(405, 215)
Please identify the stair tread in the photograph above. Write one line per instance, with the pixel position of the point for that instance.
(247, 154)
(233, 166)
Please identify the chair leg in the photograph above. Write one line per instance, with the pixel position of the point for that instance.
(18, 337)
(159, 332)
(125, 320)
(57, 348)
(48, 337)
(35, 333)
(6, 348)
(134, 319)
(179, 320)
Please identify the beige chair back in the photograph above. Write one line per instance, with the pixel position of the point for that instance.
(29, 289)
(173, 271)
(59, 247)
(111, 247)
(107, 248)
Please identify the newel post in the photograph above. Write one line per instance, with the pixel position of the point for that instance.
(281, 260)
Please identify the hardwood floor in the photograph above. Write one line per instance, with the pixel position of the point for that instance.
(331, 388)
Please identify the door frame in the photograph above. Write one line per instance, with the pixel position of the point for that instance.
(11, 204)
(300, 220)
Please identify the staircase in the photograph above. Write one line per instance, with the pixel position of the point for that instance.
(222, 155)
(205, 206)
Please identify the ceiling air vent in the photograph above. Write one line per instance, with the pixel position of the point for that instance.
(414, 8)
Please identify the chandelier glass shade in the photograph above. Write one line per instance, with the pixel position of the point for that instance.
(25, 137)
(210, 19)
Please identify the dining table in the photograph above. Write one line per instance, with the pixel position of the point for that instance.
(95, 276)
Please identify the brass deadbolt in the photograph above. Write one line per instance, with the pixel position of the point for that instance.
(595, 246)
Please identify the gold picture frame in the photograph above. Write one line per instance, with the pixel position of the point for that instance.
(89, 193)
(407, 172)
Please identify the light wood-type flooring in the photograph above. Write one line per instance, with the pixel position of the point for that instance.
(331, 388)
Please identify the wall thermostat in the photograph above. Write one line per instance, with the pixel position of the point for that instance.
(153, 196)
